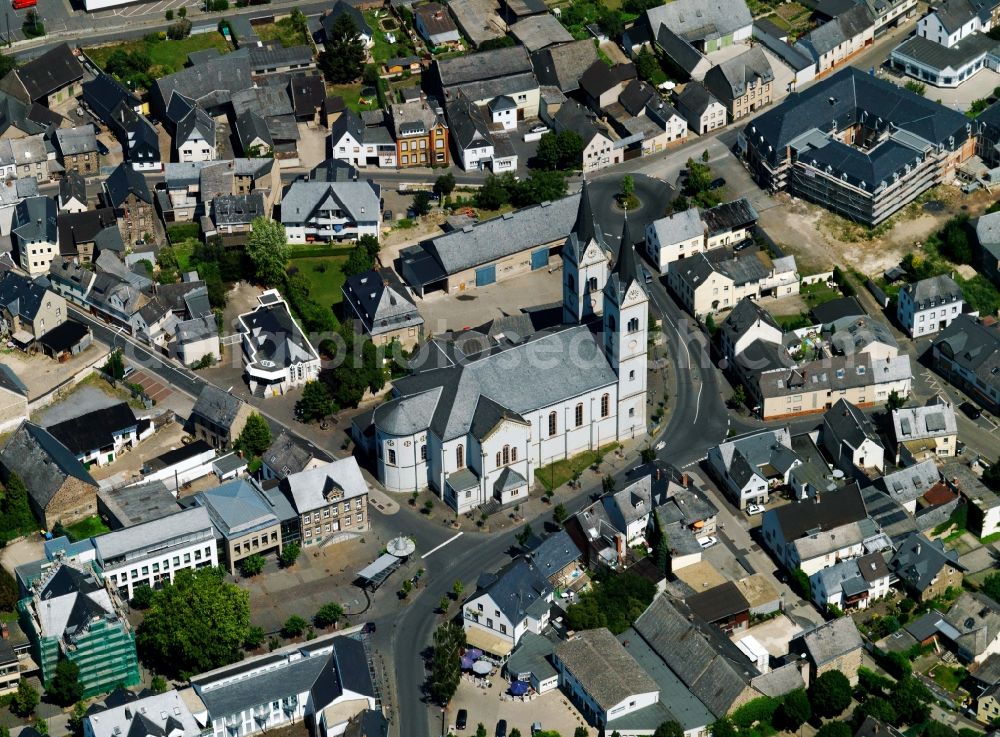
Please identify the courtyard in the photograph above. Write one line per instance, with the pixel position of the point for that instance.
(484, 705)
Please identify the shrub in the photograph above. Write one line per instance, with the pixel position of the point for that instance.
(294, 626)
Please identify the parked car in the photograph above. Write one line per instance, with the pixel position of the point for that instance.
(461, 719)
(539, 129)
(716, 183)
(536, 727)
(755, 508)
(646, 275)
(971, 411)
(501, 728)
(745, 243)
(129, 370)
(707, 542)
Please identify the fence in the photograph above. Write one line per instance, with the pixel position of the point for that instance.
(817, 278)
(50, 396)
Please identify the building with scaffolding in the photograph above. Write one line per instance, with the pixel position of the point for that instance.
(70, 614)
(857, 145)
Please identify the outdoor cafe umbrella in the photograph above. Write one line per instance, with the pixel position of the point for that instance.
(481, 668)
(518, 688)
(467, 662)
(473, 653)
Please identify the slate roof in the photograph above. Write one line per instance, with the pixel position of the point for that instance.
(210, 84)
(828, 36)
(53, 70)
(515, 377)
(469, 127)
(35, 220)
(928, 421)
(311, 489)
(918, 561)
(517, 589)
(602, 666)
(719, 602)
(728, 216)
(562, 66)
(357, 200)
(155, 715)
(917, 122)
(435, 18)
(854, 334)
(79, 140)
(834, 374)
(94, 430)
(554, 553)
(679, 227)
(104, 94)
(599, 77)
(711, 666)
(84, 227)
(67, 601)
(42, 463)
(973, 346)
(932, 291)
(196, 124)
(217, 406)
(380, 301)
(695, 98)
(732, 79)
(237, 209)
(73, 186)
(21, 296)
(701, 20)
(308, 94)
(835, 509)
(848, 424)
(287, 455)
(976, 618)
(911, 483)
(125, 181)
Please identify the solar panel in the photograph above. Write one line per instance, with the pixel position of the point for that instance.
(893, 518)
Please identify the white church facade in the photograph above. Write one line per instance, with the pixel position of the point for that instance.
(476, 427)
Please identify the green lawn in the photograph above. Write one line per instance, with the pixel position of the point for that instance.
(325, 277)
(352, 94)
(167, 56)
(383, 50)
(284, 31)
(818, 294)
(948, 678)
(90, 527)
(556, 474)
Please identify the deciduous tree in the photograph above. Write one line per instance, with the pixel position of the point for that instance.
(267, 247)
(255, 437)
(830, 694)
(65, 688)
(446, 668)
(315, 402)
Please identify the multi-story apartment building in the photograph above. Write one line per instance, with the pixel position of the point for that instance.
(421, 133)
(331, 500)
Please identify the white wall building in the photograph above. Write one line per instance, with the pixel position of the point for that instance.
(276, 353)
(166, 711)
(505, 606)
(151, 553)
(929, 305)
(330, 211)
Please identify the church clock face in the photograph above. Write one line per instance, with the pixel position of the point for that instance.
(633, 344)
(633, 293)
(593, 303)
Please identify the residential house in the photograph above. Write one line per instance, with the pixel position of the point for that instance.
(231, 216)
(929, 305)
(73, 193)
(330, 211)
(10, 667)
(793, 532)
(599, 148)
(851, 584)
(13, 402)
(690, 30)
(471, 133)
(715, 280)
(675, 237)
(122, 112)
(342, 7)
(308, 93)
(954, 20)
(929, 430)
(287, 455)
(629, 509)
(557, 557)
(833, 646)
(420, 132)
(850, 439)
(194, 130)
(60, 489)
(925, 569)
(855, 335)
(51, 79)
(967, 354)
(69, 613)
(247, 521)
(563, 66)
(983, 502)
(750, 465)
(77, 149)
(485, 75)
(916, 489)
(196, 340)
(151, 553)
(126, 191)
(34, 234)
(218, 417)
(743, 84)
(98, 436)
(165, 714)
(325, 682)
(85, 235)
(832, 171)
(331, 501)
(27, 309)
(362, 145)
(434, 24)
(603, 85)
(972, 627)
(506, 605)
(492, 250)
(748, 323)
(19, 119)
(838, 40)
(127, 506)
(383, 308)
(591, 665)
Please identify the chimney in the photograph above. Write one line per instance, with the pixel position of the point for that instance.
(916, 549)
(4, 631)
(685, 480)
(817, 496)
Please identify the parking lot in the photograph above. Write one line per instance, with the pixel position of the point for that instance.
(42, 374)
(552, 709)
(159, 9)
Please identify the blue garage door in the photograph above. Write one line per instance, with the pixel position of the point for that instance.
(486, 275)
(540, 259)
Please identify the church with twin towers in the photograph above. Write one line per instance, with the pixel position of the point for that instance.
(476, 428)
